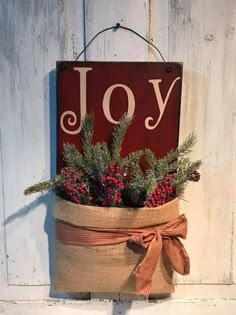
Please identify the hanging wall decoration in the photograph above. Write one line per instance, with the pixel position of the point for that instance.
(149, 92)
(120, 176)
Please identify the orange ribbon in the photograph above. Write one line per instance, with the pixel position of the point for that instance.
(153, 239)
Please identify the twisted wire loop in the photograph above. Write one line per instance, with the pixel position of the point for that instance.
(115, 28)
(153, 239)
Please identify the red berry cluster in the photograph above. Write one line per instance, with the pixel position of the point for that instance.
(74, 191)
(112, 183)
(71, 173)
(72, 185)
(162, 192)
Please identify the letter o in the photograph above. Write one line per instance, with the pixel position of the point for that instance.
(106, 102)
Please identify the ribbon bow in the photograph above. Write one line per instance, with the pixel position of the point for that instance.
(153, 239)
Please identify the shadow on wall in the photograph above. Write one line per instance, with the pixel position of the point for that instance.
(124, 302)
(47, 198)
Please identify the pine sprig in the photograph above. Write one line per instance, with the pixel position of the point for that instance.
(118, 136)
(194, 166)
(44, 186)
(133, 161)
(87, 136)
(150, 157)
(72, 157)
(185, 169)
(186, 147)
(176, 161)
(100, 157)
(150, 181)
(169, 163)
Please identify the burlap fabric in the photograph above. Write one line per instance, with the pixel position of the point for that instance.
(108, 268)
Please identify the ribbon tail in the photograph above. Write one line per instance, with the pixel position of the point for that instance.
(177, 255)
(144, 271)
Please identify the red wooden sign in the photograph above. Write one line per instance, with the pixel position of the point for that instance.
(148, 91)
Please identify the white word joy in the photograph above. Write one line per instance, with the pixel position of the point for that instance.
(71, 119)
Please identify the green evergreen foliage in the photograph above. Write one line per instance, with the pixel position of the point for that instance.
(101, 156)
(87, 137)
(99, 176)
(118, 137)
(183, 173)
(44, 186)
(174, 161)
(72, 157)
(135, 170)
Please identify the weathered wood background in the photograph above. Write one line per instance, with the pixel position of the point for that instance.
(33, 35)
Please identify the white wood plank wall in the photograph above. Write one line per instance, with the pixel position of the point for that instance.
(201, 34)
(33, 35)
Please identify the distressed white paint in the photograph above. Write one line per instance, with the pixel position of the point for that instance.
(174, 307)
(158, 29)
(119, 45)
(196, 291)
(73, 28)
(34, 34)
(33, 40)
(3, 265)
(33, 29)
(200, 35)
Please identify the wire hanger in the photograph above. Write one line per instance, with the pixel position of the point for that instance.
(115, 28)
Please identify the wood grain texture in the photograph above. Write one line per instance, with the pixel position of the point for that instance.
(158, 29)
(171, 307)
(34, 38)
(200, 35)
(74, 34)
(73, 28)
(174, 307)
(3, 259)
(3, 96)
(186, 291)
(32, 43)
(34, 34)
(116, 46)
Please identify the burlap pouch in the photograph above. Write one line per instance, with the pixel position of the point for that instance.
(108, 268)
